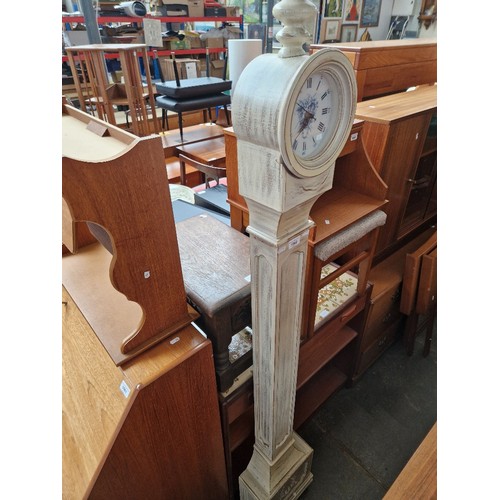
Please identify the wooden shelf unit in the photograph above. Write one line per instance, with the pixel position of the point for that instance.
(138, 378)
(358, 191)
(400, 137)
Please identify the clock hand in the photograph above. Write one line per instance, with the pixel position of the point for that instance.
(303, 125)
(308, 116)
(305, 121)
(300, 105)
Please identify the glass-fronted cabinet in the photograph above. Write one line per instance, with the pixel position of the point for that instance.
(422, 199)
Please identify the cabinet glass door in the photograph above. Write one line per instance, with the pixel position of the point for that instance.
(422, 201)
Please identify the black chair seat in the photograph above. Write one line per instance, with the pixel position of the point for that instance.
(193, 87)
(203, 102)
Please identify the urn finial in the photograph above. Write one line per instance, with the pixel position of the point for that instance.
(294, 15)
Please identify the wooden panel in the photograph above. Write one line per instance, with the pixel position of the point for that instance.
(173, 166)
(388, 66)
(398, 106)
(324, 384)
(315, 354)
(143, 439)
(123, 194)
(385, 80)
(412, 274)
(172, 138)
(383, 55)
(92, 404)
(211, 151)
(356, 172)
(233, 185)
(400, 162)
(403, 49)
(383, 312)
(353, 139)
(375, 139)
(379, 346)
(419, 477)
(427, 288)
(180, 434)
(339, 208)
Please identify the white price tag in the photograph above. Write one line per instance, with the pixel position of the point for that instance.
(125, 389)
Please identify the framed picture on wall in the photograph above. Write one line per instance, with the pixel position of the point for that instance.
(330, 30)
(351, 11)
(370, 13)
(334, 8)
(349, 33)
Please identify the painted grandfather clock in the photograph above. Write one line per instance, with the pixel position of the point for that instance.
(292, 114)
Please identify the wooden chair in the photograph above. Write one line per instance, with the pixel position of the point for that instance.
(209, 171)
(419, 294)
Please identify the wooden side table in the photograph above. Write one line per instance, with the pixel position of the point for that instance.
(216, 269)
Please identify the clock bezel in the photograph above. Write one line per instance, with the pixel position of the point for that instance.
(335, 63)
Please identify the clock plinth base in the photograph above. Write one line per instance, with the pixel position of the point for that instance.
(290, 473)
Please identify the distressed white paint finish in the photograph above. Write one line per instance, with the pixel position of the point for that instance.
(294, 14)
(281, 463)
(280, 191)
(263, 106)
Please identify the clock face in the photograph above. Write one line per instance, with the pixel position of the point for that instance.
(313, 116)
(317, 113)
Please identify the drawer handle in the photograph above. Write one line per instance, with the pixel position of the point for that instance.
(395, 296)
(387, 318)
(382, 342)
(348, 313)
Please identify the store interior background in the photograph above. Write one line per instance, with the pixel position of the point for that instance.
(468, 414)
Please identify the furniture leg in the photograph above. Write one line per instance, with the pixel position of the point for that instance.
(182, 172)
(220, 330)
(429, 331)
(410, 332)
(228, 120)
(179, 115)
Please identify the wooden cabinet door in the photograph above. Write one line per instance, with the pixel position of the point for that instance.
(398, 168)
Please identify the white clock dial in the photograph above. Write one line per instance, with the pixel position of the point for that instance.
(313, 115)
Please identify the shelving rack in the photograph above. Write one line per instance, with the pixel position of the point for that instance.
(166, 52)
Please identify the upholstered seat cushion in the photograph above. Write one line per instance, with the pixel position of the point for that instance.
(349, 235)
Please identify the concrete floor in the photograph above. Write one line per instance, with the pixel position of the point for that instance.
(363, 436)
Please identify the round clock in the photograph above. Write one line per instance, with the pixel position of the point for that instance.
(315, 123)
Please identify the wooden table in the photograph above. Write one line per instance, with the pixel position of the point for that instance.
(419, 477)
(211, 151)
(171, 139)
(204, 155)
